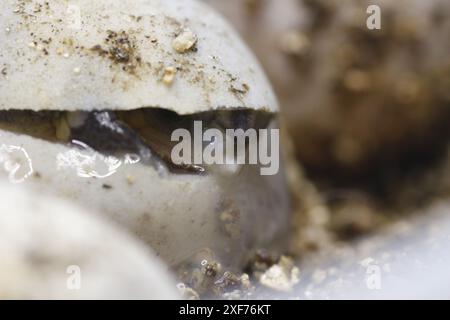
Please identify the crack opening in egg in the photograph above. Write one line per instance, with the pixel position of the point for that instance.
(145, 132)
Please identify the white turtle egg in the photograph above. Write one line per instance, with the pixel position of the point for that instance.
(89, 97)
(52, 249)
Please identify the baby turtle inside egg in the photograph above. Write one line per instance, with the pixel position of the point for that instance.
(144, 132)
(100, 137)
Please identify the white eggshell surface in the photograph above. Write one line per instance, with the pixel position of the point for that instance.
(59, 53)
(51, 249)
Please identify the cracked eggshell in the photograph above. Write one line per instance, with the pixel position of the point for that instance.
(117, 58)
(225, 217)
(86, 55)
(45, 243)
